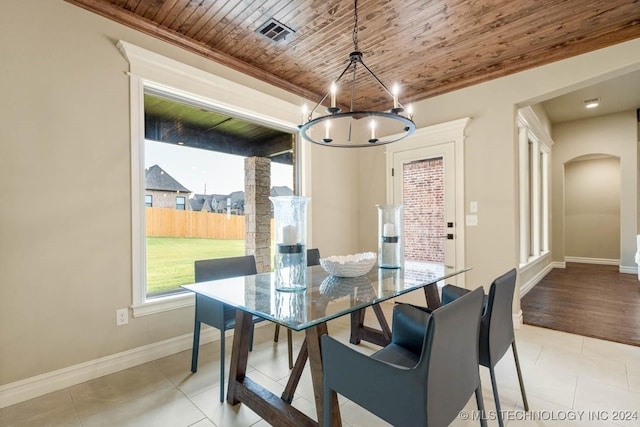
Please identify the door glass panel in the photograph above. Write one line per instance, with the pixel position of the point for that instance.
(423, 202)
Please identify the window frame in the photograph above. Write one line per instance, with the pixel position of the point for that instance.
(148, 69)
(534, 151)
(183, 204)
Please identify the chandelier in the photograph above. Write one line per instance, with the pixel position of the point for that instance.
(357, 128)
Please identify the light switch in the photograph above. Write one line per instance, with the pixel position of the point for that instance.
(472, 220)
(473, 206)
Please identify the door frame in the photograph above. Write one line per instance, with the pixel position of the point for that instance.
(443, 133)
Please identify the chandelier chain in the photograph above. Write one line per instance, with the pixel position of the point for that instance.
(355, 25)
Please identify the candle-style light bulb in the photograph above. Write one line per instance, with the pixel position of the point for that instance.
(410, 111)
(372, 125)
(327, 126)
(334, 89)
(304, 113)
(395, 90)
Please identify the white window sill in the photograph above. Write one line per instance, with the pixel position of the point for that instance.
(161, 304)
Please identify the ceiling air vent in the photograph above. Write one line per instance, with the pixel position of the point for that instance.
(274, 30)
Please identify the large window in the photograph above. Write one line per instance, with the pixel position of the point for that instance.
(153, 74)
(534, 148)
(194, 161)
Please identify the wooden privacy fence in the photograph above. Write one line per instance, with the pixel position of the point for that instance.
(167, 222)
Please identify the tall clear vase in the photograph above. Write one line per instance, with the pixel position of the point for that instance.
(390, 242)
(290, 258)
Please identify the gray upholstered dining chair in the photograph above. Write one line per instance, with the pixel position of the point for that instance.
(313, 258)
(424, 377)
(496, 329)
(215, 313)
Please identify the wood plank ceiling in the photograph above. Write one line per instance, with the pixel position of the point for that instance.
(428, 47)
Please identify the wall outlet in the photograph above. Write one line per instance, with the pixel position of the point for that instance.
(122, 316)
(472, 220)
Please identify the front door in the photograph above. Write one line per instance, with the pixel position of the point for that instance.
(424, 183)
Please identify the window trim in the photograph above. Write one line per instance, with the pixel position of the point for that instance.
(534, 204)
(183, 204)
(148, 69)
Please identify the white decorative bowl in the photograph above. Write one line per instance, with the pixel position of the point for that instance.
(349, 265)
(334, 287)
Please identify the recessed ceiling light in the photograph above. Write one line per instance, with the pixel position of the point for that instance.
(592, 103)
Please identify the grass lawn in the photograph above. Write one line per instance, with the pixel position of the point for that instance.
(170, 259)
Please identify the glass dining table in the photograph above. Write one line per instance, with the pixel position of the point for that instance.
(325, 298)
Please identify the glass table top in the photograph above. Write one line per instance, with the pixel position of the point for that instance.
(326, 297)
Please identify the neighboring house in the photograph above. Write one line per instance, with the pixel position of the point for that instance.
(215, 203)
(235, 202)
(163, 191)
(282, 190)
(218, 203)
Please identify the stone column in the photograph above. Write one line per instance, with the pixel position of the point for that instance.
(257, 211)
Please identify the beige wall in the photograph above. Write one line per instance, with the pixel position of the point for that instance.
(613, 135)
(334, 200)
(491, 157)
(592, 208)
(65, 240)
(65, 255)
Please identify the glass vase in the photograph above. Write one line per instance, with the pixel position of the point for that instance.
(291, 306)
(390, 252)
(290, 258)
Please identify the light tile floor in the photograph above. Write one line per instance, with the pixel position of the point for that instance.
(570, 381)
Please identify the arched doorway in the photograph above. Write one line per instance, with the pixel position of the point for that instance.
(592, 209)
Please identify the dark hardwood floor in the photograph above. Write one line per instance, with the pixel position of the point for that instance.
(587, 299)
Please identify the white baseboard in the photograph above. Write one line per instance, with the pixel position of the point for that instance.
(39, 385)
(518, 320)
(526, 287)
(584, 260)
(603, 261)
(628, 269)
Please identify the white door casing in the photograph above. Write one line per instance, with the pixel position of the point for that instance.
(445, 140)
(446, 152)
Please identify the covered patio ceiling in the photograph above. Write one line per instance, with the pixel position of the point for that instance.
(168, 120)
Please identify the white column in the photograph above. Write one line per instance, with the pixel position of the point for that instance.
(545, 201)
(523, 141)
(535, 196)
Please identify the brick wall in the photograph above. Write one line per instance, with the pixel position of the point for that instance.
(424, 223)
(167, 199)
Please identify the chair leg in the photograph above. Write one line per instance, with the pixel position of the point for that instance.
(496, 398)
(289, 343)
(326, 407)
(196, 346)
(251, 338)
(480, 403)
(290, 347)
(276, 333)
(524, 395)
(221, 365)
